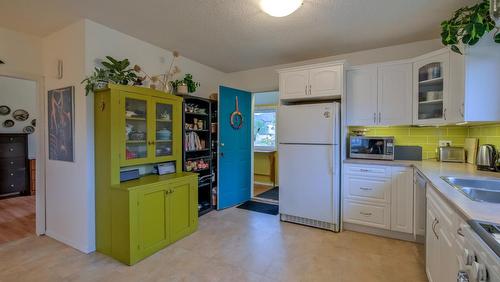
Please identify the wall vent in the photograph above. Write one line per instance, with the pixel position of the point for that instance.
(308, 222)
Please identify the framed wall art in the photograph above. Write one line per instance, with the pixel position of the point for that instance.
(60, 111)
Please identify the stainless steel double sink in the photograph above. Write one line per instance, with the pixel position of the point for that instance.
(481, 190)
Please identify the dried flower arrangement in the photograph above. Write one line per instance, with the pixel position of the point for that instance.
(160, 81)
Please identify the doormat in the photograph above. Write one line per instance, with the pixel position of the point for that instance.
(272, 194)
(259, 207)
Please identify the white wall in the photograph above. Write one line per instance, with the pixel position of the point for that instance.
(22, 53)
(20, 94)
(102, 41)
(70, 186)
(266, 98)
(266, 79)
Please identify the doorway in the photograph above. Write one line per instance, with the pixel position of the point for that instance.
(265, 168)
(21, 158)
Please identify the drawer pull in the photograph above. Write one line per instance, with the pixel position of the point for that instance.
(364, 170)
(11, 163)
(11, 149)
(11, 185)
(365, 213)
(365, 188)
(11, 174)
(11, 139)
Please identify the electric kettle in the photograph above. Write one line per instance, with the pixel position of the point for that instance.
(486, 157)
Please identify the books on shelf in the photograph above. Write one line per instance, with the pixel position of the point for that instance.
(193, 142)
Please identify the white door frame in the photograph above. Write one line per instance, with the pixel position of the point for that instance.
(252, 147)
(41, 139)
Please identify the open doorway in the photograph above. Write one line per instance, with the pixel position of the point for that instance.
(19, 145)
(265, 169)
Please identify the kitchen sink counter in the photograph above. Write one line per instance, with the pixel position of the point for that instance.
(433, 170)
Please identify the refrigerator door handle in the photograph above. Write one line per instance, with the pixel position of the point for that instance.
(330, 160)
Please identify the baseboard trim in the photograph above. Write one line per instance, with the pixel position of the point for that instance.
(380, 232)
(264, 183)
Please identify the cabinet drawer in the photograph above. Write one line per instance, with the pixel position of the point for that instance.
(12, 150)
(371, 189)
(11, 139)
(12, 163)
(367, 214)
(368, 170)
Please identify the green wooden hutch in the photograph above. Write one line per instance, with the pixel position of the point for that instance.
(138, 127)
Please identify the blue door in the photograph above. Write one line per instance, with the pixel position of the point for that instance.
(234, 146)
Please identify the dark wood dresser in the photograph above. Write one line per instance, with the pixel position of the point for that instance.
(14, 173)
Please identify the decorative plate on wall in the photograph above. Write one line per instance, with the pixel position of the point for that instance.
(8, 123)
(20, 115)
(28, 129)
(4, 110)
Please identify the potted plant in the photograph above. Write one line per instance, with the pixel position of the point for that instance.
(114, 71)
(468, 25)
(185, 86)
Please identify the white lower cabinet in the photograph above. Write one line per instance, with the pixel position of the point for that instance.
(402, 200)
(442, 240)
(379, 196)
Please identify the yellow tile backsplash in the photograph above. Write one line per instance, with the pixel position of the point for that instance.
(428, 137)
(487, 134)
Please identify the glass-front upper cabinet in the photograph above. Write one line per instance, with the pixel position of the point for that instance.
(151, 129)
(430, 90)
(137, 129)
(163, 129)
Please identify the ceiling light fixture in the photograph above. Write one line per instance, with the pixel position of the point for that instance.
(280, 8)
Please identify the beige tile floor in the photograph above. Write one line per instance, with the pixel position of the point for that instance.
(232, 245)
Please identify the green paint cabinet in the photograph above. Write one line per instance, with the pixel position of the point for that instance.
(136, 126)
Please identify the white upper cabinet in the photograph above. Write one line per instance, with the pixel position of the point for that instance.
(294, 84)
(453, 88)
(395, 94)
(325, 82)
(380, 94)
(430, 94)
(361, 97)
(322, 81)
(475, 83)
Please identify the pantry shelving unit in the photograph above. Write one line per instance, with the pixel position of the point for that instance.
(197, 149)
(214, 126)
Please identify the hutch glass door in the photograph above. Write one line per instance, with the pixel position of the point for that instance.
(136, 130)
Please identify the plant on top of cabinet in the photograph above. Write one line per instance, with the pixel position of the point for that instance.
(114, 71)
(187, 83)
(468, 25)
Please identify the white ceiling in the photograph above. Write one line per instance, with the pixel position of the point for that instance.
(234, 35)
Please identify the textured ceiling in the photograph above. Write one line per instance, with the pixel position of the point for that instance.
(234, 35)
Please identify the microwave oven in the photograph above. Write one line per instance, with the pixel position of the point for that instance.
(371, 147)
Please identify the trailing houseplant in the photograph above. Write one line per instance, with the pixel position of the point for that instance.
(468, 25)
(114, 71)
(188, 81)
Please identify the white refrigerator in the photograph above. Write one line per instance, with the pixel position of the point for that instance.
(309, 164)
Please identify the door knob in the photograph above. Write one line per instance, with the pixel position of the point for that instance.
(222, 144)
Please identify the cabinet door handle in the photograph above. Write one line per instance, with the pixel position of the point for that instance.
(365, 213)
(460, 232)
(305, 91)
(434, 227)
(379, 117)
(374, 117)
(364, 170)
(167, 192)
(462, 110)
(365, 188)
(310, 89)
(444, 114)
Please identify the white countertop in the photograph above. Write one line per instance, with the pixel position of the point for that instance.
(433, 170)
